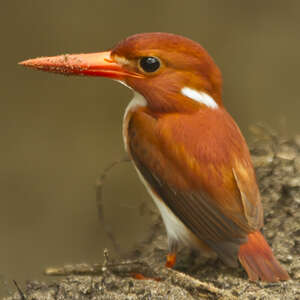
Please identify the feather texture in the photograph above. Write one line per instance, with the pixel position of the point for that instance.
(258, 260)
(189, 165)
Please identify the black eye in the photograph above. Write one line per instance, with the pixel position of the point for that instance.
(149, 63)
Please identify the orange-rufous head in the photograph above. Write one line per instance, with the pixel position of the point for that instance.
(173, 73)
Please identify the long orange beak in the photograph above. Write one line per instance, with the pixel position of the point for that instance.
(92, 64)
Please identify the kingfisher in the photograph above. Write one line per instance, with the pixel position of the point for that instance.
(186, 148)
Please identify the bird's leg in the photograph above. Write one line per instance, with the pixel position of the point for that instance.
(171, 257)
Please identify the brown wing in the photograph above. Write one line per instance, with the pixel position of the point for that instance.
(204, 175)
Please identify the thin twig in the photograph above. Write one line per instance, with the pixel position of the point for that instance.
(21, 294)
(99, 200)
(124, 268)
(192, 284)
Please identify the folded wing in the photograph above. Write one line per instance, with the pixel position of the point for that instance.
(204, 175)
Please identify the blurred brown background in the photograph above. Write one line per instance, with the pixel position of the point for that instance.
(58, 133)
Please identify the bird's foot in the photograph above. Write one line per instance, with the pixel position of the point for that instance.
(140, 276)
(171, 259)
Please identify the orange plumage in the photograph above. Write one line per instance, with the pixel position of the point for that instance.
(258, 260)
(187, 150)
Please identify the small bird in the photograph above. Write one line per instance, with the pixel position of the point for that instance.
(186, 148)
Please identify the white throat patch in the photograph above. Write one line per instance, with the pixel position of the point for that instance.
(137, 101)
(200, 97)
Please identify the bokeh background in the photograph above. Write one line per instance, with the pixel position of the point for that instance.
(58, 133)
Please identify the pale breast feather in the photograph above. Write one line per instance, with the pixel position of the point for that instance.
(137, 101)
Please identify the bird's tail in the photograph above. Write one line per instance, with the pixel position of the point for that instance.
(258, 260)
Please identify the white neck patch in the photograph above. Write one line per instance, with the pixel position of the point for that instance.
(200, 97)
(137, 101)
